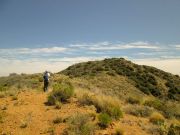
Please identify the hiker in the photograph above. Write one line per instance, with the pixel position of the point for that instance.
(46, 80)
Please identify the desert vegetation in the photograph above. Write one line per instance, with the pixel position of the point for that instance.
(112, 96)
(144, 78)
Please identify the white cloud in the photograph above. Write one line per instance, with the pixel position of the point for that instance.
(177, 47)
(170, 57)
(40, 65)
(145, 54)
(33, 50)
(77, 59)
(133, 45)
(168, 65)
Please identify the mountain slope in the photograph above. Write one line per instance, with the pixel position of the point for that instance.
(148, 79)
(139, 100)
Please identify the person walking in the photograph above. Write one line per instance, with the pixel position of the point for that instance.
(46, 80)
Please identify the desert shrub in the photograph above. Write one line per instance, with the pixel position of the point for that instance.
(110, 106)
(14, 97)
(2, 95)
(51, 100)
(119, 131)
(3, 88)
(51, 131)
(157, 129)
(1, 118)
(134, 100)
(143, 89)
(155, 103)
(103, 104)
(58, 105)
(111, 72)
(57, 120)
(140, 111)
(23, 125)
(157, 118)
(104, 120)
(174, 129)
(171, 110)
(86, 99)
(61, 92)
(80, 124)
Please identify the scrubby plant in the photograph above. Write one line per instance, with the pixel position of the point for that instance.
(1, 118)
(105, 104)
(134, 100)
(80, 124)
(157, 129)
(23, 125)
(86, 99)
(171, 110)
(61, 92)
(140, 111)
(57, 120)
(14, 97)
(2, 95)
(51, 100)
(119, 131)
(104, 120)
(174, 129)
(155, 103)
(157, 118)
(58, 105)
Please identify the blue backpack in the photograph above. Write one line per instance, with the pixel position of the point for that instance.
(46, 78)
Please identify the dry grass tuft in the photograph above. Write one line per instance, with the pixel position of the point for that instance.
(119, 131)
(80, 124)
(157, 118)
(57, 120)
(138, 110)
(105, 104)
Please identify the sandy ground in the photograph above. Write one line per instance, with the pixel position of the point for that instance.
(29, 110)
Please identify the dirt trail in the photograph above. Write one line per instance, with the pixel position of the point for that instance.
(29, 110)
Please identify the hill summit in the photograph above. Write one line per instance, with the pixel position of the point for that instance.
(149, 80)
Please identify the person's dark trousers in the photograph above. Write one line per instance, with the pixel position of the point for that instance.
(46, 83)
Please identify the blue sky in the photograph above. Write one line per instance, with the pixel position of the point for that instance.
(38, 35)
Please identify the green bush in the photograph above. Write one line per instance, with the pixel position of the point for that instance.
(80, 124)
(61, 92)
(134, 100)
(119, 131)
(174, 129)
(2, 95)
(155, 103)
(58, 105)
(171, 110)
(157, 118)
(140, 111)
(104, 120)
(57, 120)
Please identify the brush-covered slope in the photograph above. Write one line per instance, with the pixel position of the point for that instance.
(147, 79)
(23, 81)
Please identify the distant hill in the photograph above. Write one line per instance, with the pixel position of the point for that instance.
(149, 80)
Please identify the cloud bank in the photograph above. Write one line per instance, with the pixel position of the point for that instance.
(58, 57)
